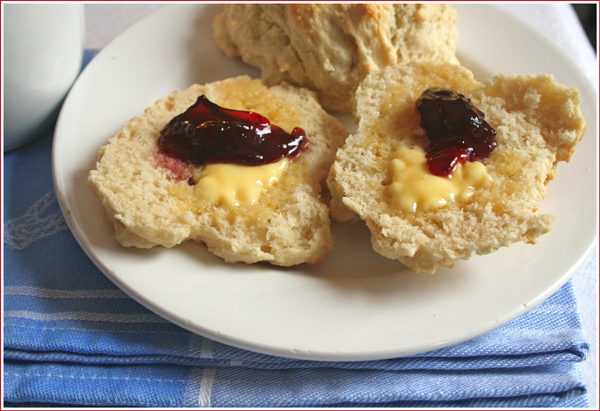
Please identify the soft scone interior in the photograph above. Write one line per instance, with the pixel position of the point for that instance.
(287, 225)
(538, 123)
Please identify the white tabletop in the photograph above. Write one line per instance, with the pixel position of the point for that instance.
(557, 21)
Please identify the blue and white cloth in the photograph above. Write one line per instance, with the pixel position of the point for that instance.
(71, 338)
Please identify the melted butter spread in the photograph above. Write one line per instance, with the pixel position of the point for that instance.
(232, 184)
(414, 188)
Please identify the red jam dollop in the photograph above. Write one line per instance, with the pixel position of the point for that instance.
(206, 133)
(455, 128)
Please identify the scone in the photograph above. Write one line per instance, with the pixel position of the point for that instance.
(330, 48)
(537, 123)
(155, 198)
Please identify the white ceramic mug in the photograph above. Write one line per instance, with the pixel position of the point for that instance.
(43, 51)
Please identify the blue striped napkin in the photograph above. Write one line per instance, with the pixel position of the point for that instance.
(72, 338)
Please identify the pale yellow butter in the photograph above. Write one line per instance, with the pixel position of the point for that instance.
(232, 184)
(414, 188)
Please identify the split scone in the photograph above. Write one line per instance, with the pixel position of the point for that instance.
(330, 48)
(168, 175)
(430, 197)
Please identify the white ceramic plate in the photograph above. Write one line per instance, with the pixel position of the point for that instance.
(357, 305)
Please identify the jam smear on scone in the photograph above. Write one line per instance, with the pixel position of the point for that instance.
(455, 128)
(207, 133)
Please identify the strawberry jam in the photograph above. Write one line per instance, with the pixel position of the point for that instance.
(455, 128)
(206, 133)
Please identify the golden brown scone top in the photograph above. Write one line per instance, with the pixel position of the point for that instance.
(330, 48)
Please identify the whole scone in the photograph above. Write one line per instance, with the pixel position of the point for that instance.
(152, 199)
(538, 123)
(330, 48)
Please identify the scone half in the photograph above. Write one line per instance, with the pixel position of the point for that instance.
(538, 123)
(152, 200)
